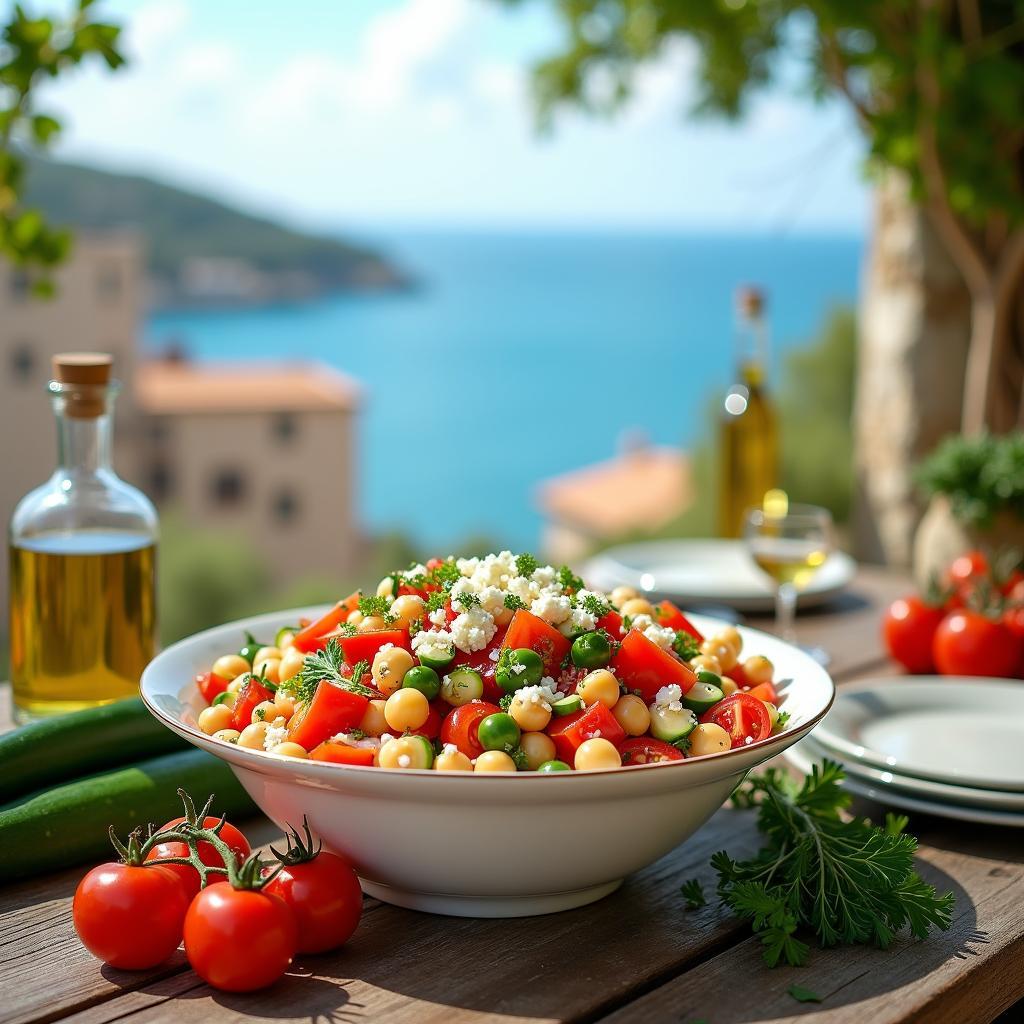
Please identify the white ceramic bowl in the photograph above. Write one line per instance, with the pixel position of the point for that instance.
(495, 845)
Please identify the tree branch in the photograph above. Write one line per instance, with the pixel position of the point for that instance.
(970, 21)
(838, 72)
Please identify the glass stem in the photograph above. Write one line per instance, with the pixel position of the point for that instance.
(785, 610)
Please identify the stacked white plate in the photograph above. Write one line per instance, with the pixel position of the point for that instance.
(950, 746)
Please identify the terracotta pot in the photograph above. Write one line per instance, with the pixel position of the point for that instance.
(941, 537)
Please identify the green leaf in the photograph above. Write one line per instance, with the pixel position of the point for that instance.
(803, 995)
(693, 893)
(44, 128)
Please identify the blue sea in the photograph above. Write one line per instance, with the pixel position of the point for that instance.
(521, 356)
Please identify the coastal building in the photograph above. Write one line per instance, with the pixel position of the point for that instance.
(638, 491)
(263, 450)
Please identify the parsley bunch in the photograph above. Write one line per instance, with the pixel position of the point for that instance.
(845, 880)
(328, 664)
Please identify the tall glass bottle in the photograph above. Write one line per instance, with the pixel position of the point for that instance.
(748, 442)
(82, 560)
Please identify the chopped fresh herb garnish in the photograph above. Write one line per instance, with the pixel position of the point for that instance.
(683, 744)
(598, 608)
(569, 579)
(437, 599)
(327, 664)
(803, 995)
(782, 720)
(518, 755)
(685, 645)
(513, 602)
(466, 601)
(693, 893)
(506, 702)
(259, 714)
(378, 606)
(359, 669)
(526, 565)
(845, 880)
(356, 734)
(415, 627)
(445, 574)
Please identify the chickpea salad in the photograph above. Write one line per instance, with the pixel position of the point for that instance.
(493, 664)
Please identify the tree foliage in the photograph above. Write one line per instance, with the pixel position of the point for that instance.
(34, 50)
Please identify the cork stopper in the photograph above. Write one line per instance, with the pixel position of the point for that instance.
(83, 379)
(750, 301)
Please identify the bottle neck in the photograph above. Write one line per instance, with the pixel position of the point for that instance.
(752, 350)
(83, 443)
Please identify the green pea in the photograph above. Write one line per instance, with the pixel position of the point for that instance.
(592, 650)
(499, 732)
(424, 679)
(518, 668)
(249, 648)
(554, 766)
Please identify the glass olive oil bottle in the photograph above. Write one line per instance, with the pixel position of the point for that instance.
(82, 561)
(748, 441)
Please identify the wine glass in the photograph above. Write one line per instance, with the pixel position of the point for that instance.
(790, 544)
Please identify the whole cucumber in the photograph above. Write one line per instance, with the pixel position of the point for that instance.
(66, 747)
(68, 825)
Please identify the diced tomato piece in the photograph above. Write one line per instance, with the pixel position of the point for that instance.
(611, 624)
(765, 691)
(311, 637)
(333, 709)
(648, 750)
(743, 717)
(738, 676)
(341, 753)
(363, 646)
(645, 668)
(461, 726)
(529, 630)
(667, 614)
(211, 685)
(253, 692)
(568, 733)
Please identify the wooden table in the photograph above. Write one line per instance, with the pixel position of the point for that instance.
(635, 957)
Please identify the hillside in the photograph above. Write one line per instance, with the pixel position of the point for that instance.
(199, 250)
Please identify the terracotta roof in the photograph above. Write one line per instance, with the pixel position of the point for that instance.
(164, 387)
(643, 488)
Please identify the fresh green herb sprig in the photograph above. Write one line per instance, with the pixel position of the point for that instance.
(328, 664)
(526, 564)
(693, 892)
(685, 645)
(514, 603)
(445, 574)
(375, 605)
(844, 880)
(569, 580)
(437, 599)
(595, 606)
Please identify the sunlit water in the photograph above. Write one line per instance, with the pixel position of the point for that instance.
(523, 356)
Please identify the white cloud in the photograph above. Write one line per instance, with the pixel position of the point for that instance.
(151, 25)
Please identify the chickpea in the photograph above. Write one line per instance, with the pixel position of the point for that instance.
(269, 670)
(596, 753)
(408, 608)
(637, 606)
(538, 748)
(706, 663)
(389, 668)
(290, 665)
(253, 736)
(386, 587)
(758, 669)
(773, 712)
(714, 648)
(728, 686)
(403, 752)
(632, 714)
(285, 641)
(371, 623)
(230, 666)
(227, 735)
(708, 738)
(731, 636)
(265, 654)
(265, 711)
(373, 722)
(284, 706)
(529, 715)
(238, 682)
(451, 759)
(620, 595)
(599, 687)
(215, 718)
(494, 761)
(289, 749)
(406, 709)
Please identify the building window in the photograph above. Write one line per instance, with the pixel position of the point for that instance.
(109, 282)
(23, 362)
(21, 285)
(286, 507)
(228, 487)
(160, 482)
(285, 427)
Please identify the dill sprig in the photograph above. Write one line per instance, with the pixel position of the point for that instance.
(328, 664)
(844, 880)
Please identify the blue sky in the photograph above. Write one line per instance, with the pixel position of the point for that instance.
(364, 112)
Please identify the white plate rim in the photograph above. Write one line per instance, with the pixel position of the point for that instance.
(802, 763)
(852, 751)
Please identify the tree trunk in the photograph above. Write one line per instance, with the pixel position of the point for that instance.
(914, 325)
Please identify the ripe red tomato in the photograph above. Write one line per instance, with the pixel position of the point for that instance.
(239, 940)
(207, 853)
(130, 917)
(211, 685)
(461, 726)
(743, 717)
(648, 750)
(968, 568)
(325, 898)
(970, 644)
(908, 628)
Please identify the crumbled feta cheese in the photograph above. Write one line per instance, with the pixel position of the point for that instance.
(661, 635)
(449, 749)
(494, 655)
(521, 587)
(541, 695)
(276, 733)
(367, 742)
(473, 630)
(545, 575)
(385, 737)
(552, 607)
(435, 644)
(669, 697)
(438, 617)
(517, 668)
(492, 599)
(385, 647)
(467, 566)
(417, 570)
(641, 622)
(748, 739)
(580, 621)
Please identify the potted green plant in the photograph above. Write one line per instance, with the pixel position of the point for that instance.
(975, 487)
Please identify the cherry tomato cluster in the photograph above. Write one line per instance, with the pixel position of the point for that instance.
(971, 624)
(195, 880)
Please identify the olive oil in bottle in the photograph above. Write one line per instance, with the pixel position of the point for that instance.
(82, 561)
(748, 436)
